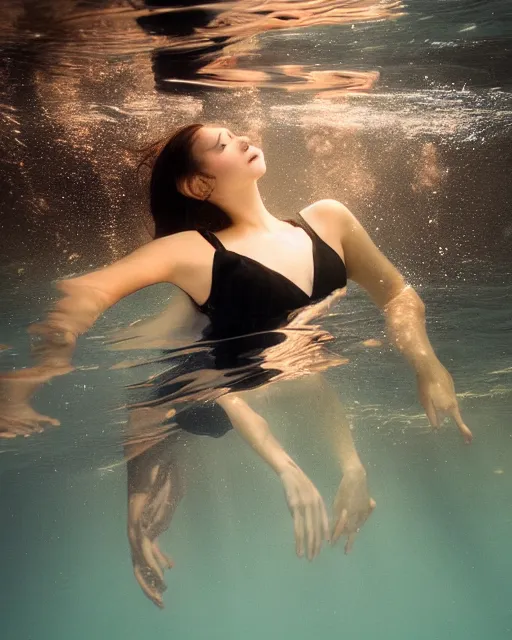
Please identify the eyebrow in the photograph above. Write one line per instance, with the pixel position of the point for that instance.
(218, 140)
(216, 143)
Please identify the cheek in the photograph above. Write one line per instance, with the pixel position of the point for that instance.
(230, 164)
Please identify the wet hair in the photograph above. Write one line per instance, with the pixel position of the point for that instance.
(171, 161)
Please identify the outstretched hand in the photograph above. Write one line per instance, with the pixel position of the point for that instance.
(22, 420)
(17, 417)
(437, 395)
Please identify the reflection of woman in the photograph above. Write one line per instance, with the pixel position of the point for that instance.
(246, 271)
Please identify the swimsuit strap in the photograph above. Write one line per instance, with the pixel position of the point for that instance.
(301, 222)
(212, 239)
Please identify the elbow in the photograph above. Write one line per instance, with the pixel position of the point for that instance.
(417, 302)
(82, 294)
(405, 304)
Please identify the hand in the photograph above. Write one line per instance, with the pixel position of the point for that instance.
(437, 395)
(22, 420)
(352, 506)
(17, 417)
(308, 510)
(147, 558)
(154, 491)
(52, 346)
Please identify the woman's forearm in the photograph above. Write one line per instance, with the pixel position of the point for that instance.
(332, 418)
(256, 432)
(405, 322)
(54, 339)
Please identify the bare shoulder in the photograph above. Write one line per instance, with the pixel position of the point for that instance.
(179, 241)
(328, 212)
(330, 217)
(188, 256)
(178, 249)
(163, 260)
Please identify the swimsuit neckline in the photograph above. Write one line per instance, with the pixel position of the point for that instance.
(220, 248)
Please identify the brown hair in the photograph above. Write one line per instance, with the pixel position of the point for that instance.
(171, 161)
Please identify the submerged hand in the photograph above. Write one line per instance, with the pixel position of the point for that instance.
(437, 395)
(308, 510)
(352, 506)
(17, 417)
(148, 560)
(154, 490)
(22, 420)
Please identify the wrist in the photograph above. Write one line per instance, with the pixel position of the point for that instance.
(285, 466)
(355, 470)
(352, 464)
(428, 369)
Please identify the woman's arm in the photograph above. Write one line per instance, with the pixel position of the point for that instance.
(403, 309)
(311, 524)
(84, 300)
(180, 323)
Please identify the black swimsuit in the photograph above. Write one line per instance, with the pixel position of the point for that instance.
(247, 296)
(248, 304)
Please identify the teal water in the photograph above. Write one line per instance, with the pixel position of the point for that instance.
(422, 156)
(432, 561)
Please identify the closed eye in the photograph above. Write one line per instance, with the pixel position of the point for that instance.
(223, 145)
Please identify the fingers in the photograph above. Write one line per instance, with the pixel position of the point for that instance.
(7, 435)
(320, 526)
(436, 417)
(350, 542)
(299, 532)
(311, 531)
(151, 561)
(463, 428)
(148, 560)
(325, 523)
(20, 428)
(340, 526)
(311, 527)
(162, 558)
(151, 592)
(23, 429)
(25, 426)
(351, 525)
(148, 564)
(431, 414)
(310, 521)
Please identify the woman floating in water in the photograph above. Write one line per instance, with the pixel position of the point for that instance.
(259, 281)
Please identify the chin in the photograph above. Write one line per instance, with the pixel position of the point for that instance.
(259, 169)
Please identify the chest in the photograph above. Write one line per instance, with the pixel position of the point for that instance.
(288, 256)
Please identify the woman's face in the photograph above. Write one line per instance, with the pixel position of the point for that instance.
(228, 157)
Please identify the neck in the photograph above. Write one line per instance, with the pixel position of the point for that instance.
(246, 209)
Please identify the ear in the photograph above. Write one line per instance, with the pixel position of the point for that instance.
(197, 186)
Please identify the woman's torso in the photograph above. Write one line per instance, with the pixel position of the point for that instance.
(247, 296)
